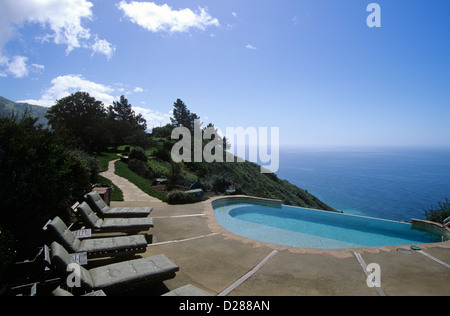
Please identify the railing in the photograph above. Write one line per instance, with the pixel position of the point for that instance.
(444, 225)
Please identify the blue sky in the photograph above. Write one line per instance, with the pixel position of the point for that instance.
(313, 68)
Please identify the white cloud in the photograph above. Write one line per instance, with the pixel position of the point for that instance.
(37, 68)
(156, 18)
(17, 66)
(130, 92)
(62, 17)
(153, 118)
(61, 20)
(3, 62)
(63, 86)
(103, 47)
(250, 46)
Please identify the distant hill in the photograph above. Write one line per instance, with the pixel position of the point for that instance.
(8, 107)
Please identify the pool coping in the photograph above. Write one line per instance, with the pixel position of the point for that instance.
(215, 227)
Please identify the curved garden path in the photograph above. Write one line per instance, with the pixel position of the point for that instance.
(131, 192)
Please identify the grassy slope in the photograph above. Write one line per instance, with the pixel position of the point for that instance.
(122, 170)
(248, 177)
(245, 175)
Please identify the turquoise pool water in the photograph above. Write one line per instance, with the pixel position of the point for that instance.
(306, 228)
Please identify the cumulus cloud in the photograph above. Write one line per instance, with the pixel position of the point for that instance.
(249, 46)
(17, 66)
(62, 17)
(153, 118)
(63, 86)
(103, 47)
(157, 18)
(61, 20)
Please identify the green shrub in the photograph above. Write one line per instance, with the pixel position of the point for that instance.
(221, 184)
(178, 197)
(89, 162)
(138, 153)
(163, 154)
(140, 168)
(218, 183)
(438, 213)
(174, 175)
(164, 131)
(126, 151)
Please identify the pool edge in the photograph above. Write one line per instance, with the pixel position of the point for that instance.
(215, 227)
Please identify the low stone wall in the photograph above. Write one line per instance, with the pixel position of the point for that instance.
(431, 227)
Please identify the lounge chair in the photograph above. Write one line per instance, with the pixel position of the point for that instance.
(117, 276)
(97, 204)
(98, 247)
(187, 290)
(126, 225)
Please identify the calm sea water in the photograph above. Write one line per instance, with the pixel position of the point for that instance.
(389, 183)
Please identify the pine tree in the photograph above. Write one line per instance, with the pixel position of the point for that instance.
(125, 125)
(182, 116)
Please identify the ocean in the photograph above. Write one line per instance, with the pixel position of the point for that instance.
(397, 184)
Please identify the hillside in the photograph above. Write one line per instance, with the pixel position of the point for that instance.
(8, 107)
(218, 178)
(215, 178)
(247, 179)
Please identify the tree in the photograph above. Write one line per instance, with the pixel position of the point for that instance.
(82, 117)
(182, 116)
(225, 144)
(123, 112)
(125, 125)
(162, 132)
(224, 141)
(41, 178)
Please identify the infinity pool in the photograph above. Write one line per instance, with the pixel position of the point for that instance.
(306, 228)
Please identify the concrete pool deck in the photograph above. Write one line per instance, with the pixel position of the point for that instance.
(222, 263)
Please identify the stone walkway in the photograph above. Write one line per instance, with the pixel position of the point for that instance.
(131, 193)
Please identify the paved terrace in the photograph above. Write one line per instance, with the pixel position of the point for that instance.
(222, 263)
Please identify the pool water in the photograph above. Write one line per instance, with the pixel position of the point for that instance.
(306, 228)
